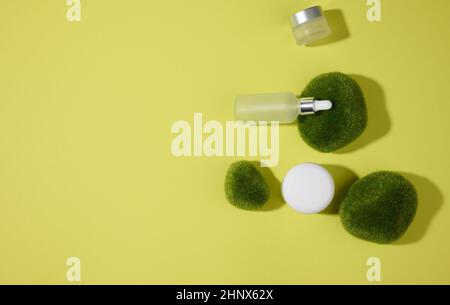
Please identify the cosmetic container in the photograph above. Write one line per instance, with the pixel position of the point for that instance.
(276, 107)
(308, 188)
(310, 25)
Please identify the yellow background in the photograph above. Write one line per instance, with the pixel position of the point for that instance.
(85, 162)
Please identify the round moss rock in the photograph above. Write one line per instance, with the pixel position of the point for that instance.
(245, 187)
(379, 208)
(328, 131)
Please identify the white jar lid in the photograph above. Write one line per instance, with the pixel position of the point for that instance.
(308, 188)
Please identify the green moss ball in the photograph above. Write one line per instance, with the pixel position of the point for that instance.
(328, 131)
(245, 187)
(379, 207)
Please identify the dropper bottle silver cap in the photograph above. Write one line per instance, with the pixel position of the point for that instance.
(309, 105)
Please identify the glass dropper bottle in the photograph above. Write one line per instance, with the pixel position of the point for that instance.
(277, 107)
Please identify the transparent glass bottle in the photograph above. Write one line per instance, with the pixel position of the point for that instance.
(310, 25)
(276, 107)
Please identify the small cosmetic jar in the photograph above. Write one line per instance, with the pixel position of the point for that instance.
(310, 25)
(308, 188)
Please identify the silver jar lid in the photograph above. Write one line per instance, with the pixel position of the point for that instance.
(306, 15)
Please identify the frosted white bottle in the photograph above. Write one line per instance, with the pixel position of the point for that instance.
(276, 107)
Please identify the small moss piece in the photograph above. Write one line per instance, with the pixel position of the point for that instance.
(379, 208)
(328, 131)
(245, 187)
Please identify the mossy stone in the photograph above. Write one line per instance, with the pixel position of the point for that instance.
(379, 208)
(328, 131)
(245, 187)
